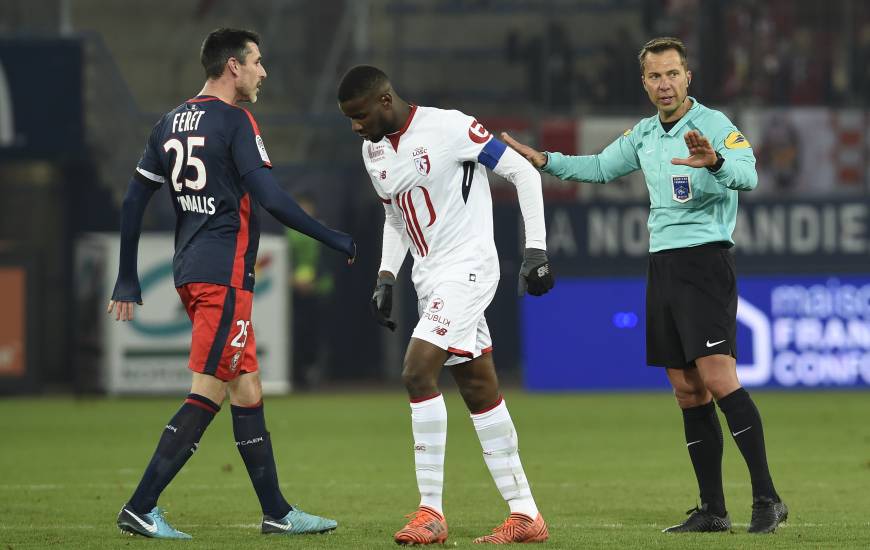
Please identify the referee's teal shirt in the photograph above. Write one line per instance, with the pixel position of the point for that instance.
(688, 206)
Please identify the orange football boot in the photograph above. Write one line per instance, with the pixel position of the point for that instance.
(517, 528)
(427, 526)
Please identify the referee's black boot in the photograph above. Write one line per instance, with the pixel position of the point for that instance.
(767, 514)
(701, 520)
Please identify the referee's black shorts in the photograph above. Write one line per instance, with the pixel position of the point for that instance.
(691, 305)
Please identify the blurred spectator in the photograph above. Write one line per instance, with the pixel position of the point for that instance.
(861, 64)
(311, 287)
(779, 152)
(620, 72)
(549, 62)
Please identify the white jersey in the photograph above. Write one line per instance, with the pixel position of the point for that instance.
(432, 179)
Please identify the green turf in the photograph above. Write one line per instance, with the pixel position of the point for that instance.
(607, 470)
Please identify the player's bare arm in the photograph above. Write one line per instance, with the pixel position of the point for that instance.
(537, 158)
(701, 153)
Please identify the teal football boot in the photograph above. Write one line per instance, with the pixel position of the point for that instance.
(152, 524)
(297, 522)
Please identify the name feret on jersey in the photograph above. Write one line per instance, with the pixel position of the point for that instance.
(203, 148)
(431, 175)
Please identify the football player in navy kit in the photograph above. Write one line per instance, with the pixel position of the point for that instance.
(210, 151)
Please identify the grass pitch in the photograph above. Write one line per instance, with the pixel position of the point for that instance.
(607, 470)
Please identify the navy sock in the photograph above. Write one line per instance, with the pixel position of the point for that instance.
(745, 424)
(255, 446)
(177, 444)
(704, 443)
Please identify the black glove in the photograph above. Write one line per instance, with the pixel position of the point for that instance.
(535, 273)
(382, 302)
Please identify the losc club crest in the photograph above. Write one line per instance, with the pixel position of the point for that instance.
(421, 161)
(422, 164)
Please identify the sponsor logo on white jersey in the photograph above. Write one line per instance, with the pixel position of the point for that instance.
(375, 152)
(437, 304)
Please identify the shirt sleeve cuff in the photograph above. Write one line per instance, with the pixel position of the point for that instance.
(534, 243)
(553, 162)
(723, 175)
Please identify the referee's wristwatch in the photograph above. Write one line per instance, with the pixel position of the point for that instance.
(720, 160)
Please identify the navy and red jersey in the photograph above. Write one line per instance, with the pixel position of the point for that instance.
(203, 148)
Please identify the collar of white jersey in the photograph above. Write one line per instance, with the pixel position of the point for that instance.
(394, 137)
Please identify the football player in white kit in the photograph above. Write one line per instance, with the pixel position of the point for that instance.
(428, 167)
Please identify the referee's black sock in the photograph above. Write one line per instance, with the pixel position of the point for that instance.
(255, 446)
(704, 442)
(744, 422)
(177, 444)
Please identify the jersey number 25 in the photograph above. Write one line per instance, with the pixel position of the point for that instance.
(193, 161)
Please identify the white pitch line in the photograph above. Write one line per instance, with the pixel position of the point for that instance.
(50, 487)
(253, 526)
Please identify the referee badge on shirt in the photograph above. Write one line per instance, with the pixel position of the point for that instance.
(682, 187)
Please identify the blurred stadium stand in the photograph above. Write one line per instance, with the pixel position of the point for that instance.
(562, 74)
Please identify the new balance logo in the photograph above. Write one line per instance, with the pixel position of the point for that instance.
(440, 331)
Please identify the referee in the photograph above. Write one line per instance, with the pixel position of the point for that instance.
(694, 161)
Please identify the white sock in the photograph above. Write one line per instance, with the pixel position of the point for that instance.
(429, 424)
(495, 429)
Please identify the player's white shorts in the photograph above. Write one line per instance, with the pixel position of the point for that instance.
(451, 317)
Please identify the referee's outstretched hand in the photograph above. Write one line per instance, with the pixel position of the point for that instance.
(701, 153)
(537, 158)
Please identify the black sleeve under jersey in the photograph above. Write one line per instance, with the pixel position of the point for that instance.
(132, 211)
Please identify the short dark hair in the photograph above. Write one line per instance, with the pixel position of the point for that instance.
(661, 44)
(360, 81)
(222, 44)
